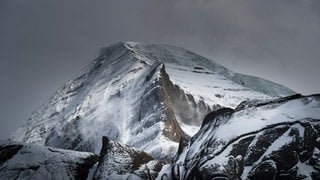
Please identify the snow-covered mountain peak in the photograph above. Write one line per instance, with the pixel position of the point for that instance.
(173, 55)
(147, 96)
(178, 56)
(168, 54)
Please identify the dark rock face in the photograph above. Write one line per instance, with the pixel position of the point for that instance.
(156, 94)
(284, 149)
(20, 161)
(8, 151)
(119, 161)
(265, 170)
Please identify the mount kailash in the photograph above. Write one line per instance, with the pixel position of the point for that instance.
(145, 111)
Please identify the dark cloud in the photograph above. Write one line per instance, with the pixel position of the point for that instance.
(45, 43)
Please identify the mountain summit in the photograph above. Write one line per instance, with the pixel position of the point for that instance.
(144, 95)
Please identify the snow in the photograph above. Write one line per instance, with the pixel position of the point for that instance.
(189, 129)
(246, 171)
(305, 169)
(211, 87)
(36, 162)
(255, 118)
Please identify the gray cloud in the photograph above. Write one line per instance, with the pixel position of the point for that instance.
(45, 43)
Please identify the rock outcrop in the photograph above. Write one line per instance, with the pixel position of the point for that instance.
(119, 161)
(25, 161)
(276, 139)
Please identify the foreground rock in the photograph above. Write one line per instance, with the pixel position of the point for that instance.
(21, 161)
(276, 139)
(119, 161)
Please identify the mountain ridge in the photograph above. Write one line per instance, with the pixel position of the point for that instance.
(236, 77)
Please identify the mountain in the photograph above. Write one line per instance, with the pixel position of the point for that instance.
(276, 139)
(145, 111)
(143, 95)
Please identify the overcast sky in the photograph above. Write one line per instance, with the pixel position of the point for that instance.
(43, 44)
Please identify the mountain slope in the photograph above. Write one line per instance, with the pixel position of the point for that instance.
(147, 96)
(259, 140)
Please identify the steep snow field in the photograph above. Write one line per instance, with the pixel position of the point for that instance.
(211, 87)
